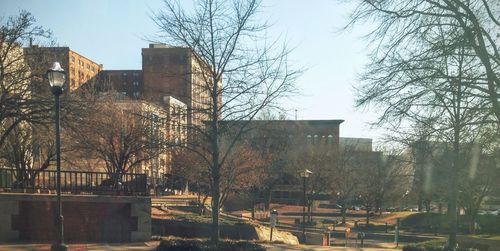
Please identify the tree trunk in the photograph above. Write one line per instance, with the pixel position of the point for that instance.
(452, 210)
(215, 208)
(309, 212)
(343, 212)
(253, 208)
(267, 200)
(378, 207)
(367, 217)
(420, 200)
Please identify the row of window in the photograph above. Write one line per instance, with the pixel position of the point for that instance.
(136, 95)
(135, 74)
(82, 64)
(316, 139)
(135, 83)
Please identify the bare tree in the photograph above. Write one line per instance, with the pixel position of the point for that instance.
(29, 151)
(237, 70)
(410, 30)
(320, 158)
(18, 101)
(272, 143)
(477, 182)
(188, 167)
(345, 182)
(428, 68)
(381, 175)
(120, 134)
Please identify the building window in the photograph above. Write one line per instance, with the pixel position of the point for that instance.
(136, 94)
(136, 83)
(72, 58)
(330, 139)
(136, 74)
(124, 74)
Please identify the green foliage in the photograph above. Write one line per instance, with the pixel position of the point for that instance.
(433, 245)
(439, 245)
(206, 245)
(426, 222)
(433, 221)
(489, 224)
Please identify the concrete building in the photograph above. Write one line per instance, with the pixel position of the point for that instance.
(162, 126)
(152, 126)
(356, 144)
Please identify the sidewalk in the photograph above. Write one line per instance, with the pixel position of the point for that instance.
(151, 245)
(283, 247)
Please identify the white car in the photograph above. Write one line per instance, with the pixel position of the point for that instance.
(489, 212)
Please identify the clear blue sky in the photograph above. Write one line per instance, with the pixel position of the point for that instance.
(112, 32)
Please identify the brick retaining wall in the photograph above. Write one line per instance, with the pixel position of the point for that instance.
(31, 217)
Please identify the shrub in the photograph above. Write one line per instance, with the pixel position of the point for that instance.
(434, 245)
(206, 245)
(429, 221)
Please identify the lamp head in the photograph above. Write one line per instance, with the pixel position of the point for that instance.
(305, 174)
(57, 78)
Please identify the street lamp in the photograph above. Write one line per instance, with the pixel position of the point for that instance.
(57, 78)
(304, 174)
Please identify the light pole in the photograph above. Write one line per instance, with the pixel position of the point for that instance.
(304, 174)
(57, 78)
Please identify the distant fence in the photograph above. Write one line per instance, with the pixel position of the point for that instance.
(75, 182)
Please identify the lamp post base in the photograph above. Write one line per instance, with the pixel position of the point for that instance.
(59, 247)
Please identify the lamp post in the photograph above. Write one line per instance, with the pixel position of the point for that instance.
(57, 78)
(304, 174)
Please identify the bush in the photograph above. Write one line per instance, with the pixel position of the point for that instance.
(429, 221)
(434, 245)
(206, 245)
(489, 223)
(426, 222)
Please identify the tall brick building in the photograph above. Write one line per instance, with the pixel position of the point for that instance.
(128, 83)
(174, 71)
(287, 139)
(79, 69)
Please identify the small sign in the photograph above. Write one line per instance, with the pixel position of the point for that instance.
(273, 219)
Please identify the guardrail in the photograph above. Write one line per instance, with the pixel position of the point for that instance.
(75, 182)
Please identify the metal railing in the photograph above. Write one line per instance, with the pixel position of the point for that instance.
(75, 182)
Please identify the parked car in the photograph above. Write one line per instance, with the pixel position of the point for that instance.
(391, 209)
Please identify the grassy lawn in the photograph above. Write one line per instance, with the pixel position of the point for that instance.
(485, 236)
(189, 216)
(390, 218)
